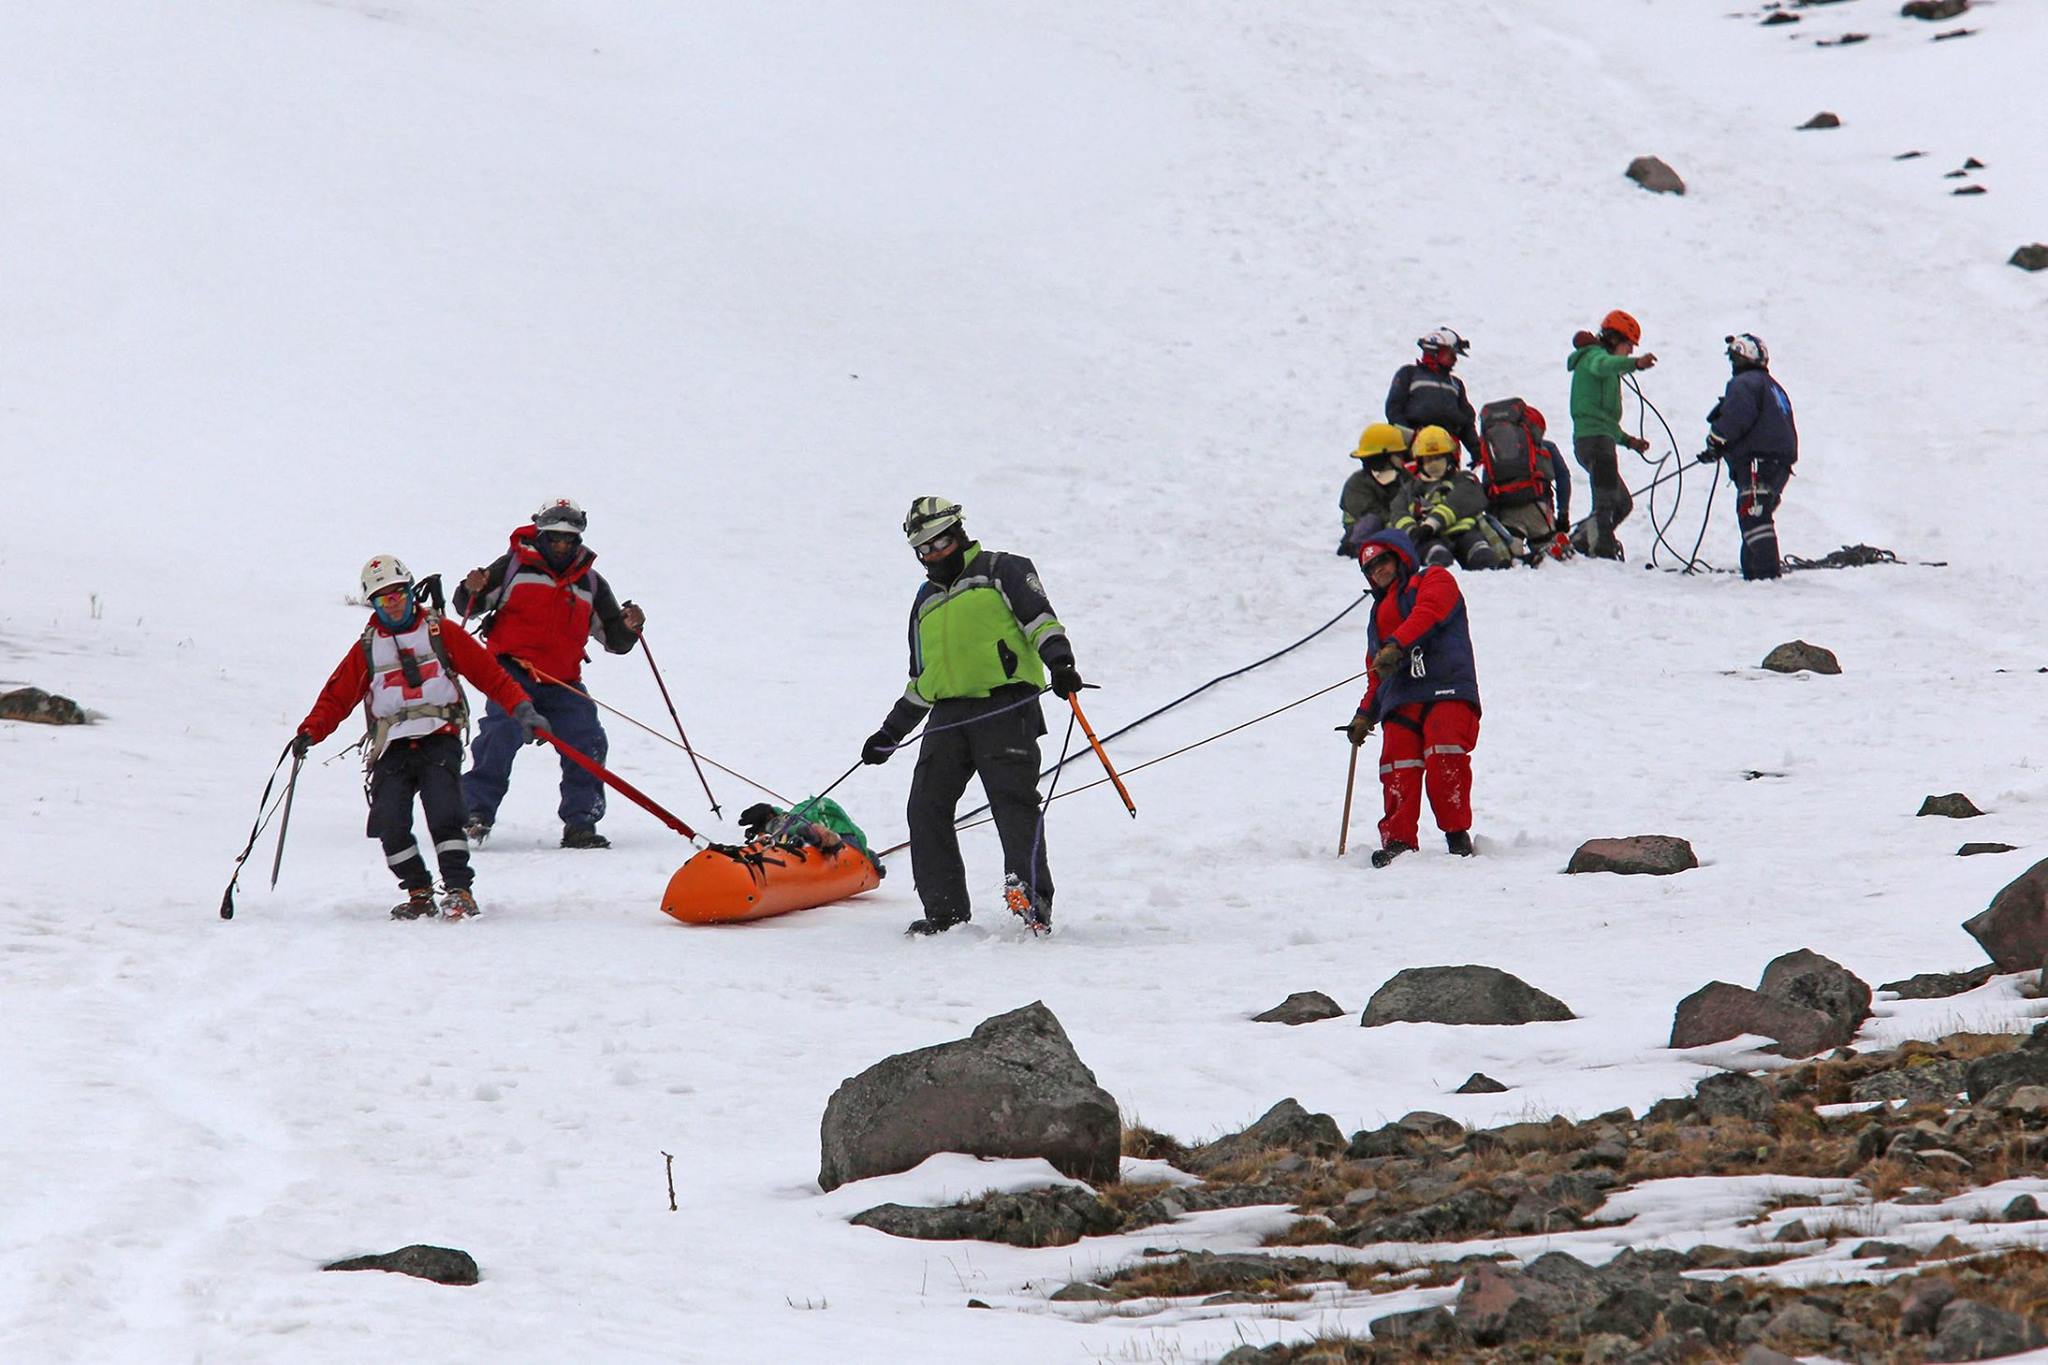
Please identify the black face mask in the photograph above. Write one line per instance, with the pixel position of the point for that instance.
(558, 553)
(947, 566)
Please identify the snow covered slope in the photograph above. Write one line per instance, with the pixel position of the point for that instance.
(292, 283)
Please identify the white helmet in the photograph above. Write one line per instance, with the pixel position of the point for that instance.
(1747, 349)
(561, 514)
(928, 519)
(383, 572)
(1444, 339)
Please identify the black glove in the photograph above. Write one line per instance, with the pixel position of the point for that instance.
(878, 748)
(531, 722)
(1359, 728)
(300, 743)
(1707, 456)
(1388, 661)
(1066, 679)
(756, 818)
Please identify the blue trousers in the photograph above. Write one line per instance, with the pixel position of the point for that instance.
(498, 741)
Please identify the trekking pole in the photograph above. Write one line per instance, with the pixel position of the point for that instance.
(284, 822)
(620, 785)
(679, 729)
(1350, 781)
(1095, 744)
(227, 900)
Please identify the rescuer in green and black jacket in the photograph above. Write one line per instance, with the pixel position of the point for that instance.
(983, 644)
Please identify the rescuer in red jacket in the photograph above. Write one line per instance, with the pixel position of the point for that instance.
(543, 603)
(403, 672)
(1424, 690)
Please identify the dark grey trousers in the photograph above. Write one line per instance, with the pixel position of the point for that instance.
(1611, 502)
(1002, 750)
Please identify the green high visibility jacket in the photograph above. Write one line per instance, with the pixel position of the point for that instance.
(990, 628)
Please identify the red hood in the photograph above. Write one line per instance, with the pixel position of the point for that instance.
(527, 551)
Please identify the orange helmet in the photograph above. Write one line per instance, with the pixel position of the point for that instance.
(1623, 326)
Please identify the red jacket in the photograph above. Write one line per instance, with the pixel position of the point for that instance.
(350, 682)
(1433, 618)
(543, 618)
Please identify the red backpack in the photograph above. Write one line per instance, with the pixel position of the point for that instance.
(1514, 468)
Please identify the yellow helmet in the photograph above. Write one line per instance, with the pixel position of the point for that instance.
(1381, 438)
(1431, 442)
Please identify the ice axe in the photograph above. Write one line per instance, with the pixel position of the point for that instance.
(1074, 700)
(227, 900)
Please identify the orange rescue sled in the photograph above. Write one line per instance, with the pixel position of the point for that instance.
(727, 883)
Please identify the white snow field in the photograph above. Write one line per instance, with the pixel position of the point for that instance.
(290, 283)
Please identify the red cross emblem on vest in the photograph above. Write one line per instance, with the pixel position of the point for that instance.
(428, 668)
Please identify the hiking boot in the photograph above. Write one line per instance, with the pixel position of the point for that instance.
(583, 836)
(459, 903)
(1026, 904)
(1391, 850)
(924, 928)
(419, 904)
(1459, 842)
(477, 830)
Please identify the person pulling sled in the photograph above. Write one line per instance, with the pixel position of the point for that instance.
(1423, 696)
(543, 602)
(404, 672)
(984, 643)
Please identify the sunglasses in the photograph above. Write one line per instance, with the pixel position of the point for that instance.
(392, 597)
(938, 547)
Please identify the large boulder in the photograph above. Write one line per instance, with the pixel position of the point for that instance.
(1718, 1011)
(1652, 174)
(1650, 855)
(1969, 1330)
(442, 1265)
(1013, 1088)
(1797, 656)
(2032, 256)
(2013, 929)
(1933, 9)
(1460, 995)
(1285, 1126)
(1807, 979)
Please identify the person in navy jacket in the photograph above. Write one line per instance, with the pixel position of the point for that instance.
(1752, 433)
(1423, 695)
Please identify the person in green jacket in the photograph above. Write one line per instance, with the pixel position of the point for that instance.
(1597, 364)
(984, 643)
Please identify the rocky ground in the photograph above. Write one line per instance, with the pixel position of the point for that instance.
(1917, 1124)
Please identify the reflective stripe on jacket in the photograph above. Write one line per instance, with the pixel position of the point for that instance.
(991, 627)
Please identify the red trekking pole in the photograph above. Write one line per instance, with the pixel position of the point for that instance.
(618, 784)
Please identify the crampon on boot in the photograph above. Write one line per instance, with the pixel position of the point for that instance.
(1389, 851)
(477, 830)
(583, 836)
(419, 904)
(459, 903)
(1027, 905)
